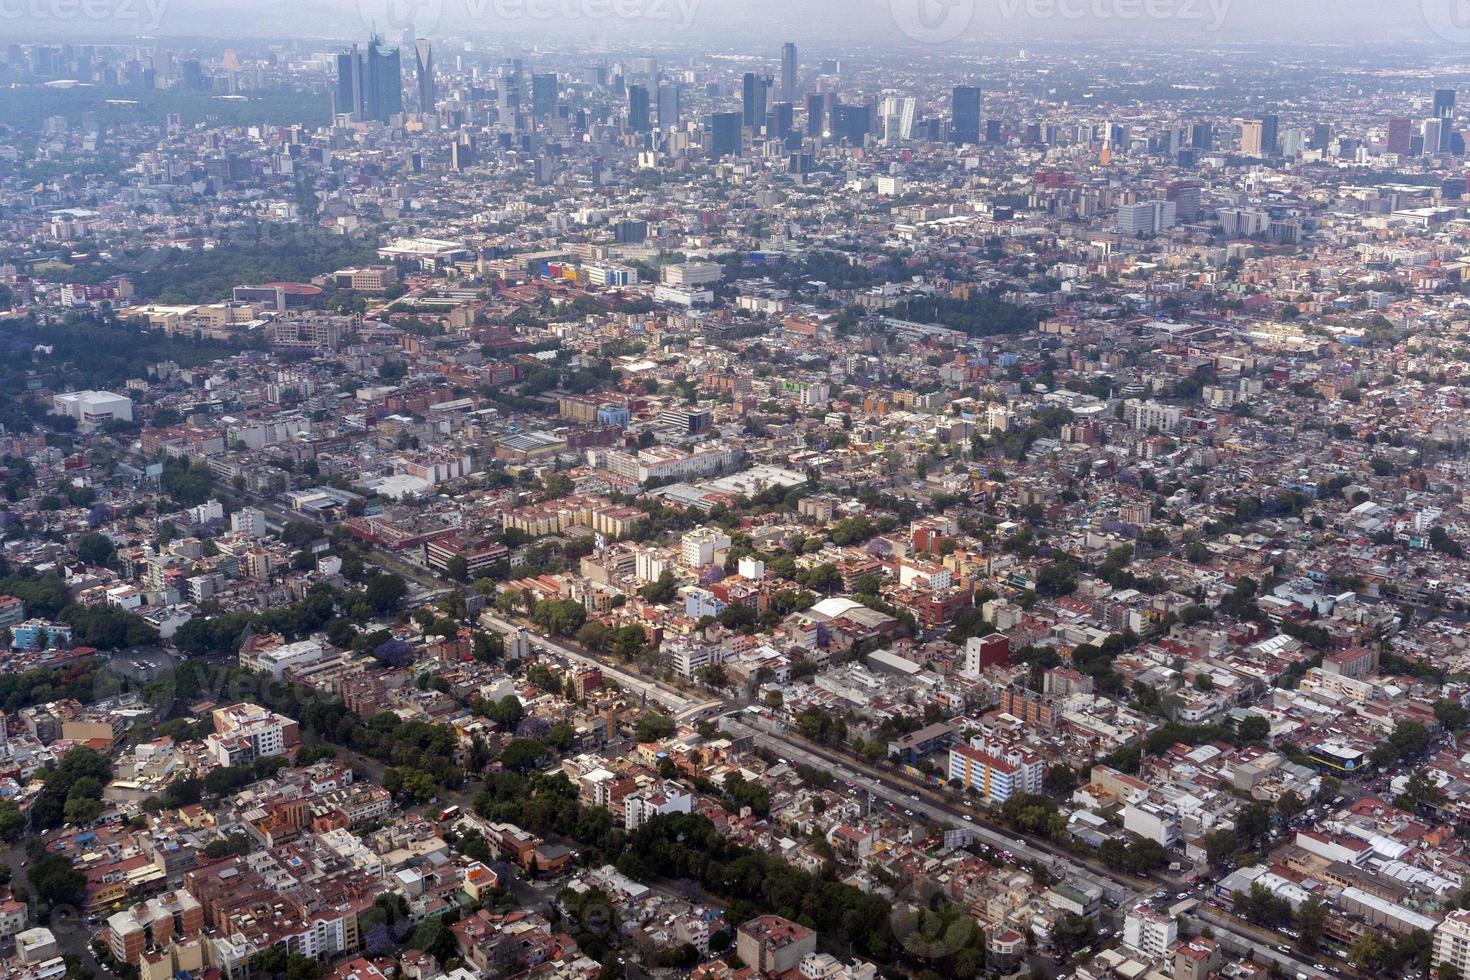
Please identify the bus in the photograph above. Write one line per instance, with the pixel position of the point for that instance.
(448, 813)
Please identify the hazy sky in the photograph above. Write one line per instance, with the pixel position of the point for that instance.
(819, 24)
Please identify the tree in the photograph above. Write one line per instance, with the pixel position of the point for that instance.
(1220, 846)
(508, 712)
(661, 591)
(385, 592)
(56, 881)
(1252, 729)
(654, 728)
(1253, 823)
(96, 549)
(523, 754)
(1368, 950)
(458, 569)
(1310, 917)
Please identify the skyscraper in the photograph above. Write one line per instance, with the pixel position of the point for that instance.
(544, 94)
(788, 73)
(639, 114)
(1444, 111)
(781, 120)
(1400, 136)
(1270, 135)
(668, 107)
(1202, 136)
(350, 98)
(726, 136)
(384, 88)
(1252, 138)
(424, 57)
(965, 115)
(755, 96)
(816, 114)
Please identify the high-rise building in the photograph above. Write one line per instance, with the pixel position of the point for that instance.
(1252, 139)
(1270, 136)
(640, 114)
(1186, 195)
(350, 98)
(755, 97)
(1147, 217)
(788, 73)
(384, 81)
(423, 51)
(544, 94)
(1444, 111)
(1400, 136)
(726, 137)
(1433, 130)
(965, 110)
(816, 114)
(851, 123)
(1452, 940)
(668, 107)
(781, 120)
(1202, 136)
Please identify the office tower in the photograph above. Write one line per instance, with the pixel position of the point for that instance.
(1202, 136)
(816, 114)
(1400, 136)
(726, 136)
(668, 107)
(851, 123)
(1444, 111)
(350, 96)
(640, 116)
(788, 73)
(755, 97)
(423, 52)
(544, 94)
(1186, 195)
(1270, 135)
(384, 85)
(1433, 130)
(461, 155)
(1252, 138)
(781, 120)
(897, 117)
(191, 75)
(1146, 217)
(964, 126)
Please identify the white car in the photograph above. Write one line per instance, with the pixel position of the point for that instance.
(968, 818)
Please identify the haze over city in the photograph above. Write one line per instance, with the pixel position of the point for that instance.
(630, 489)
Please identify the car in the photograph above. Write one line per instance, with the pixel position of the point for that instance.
(908, 813)
(913, 796)
(1319, 966)
(1182, 895)
(1283, 949)
(967, 817)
